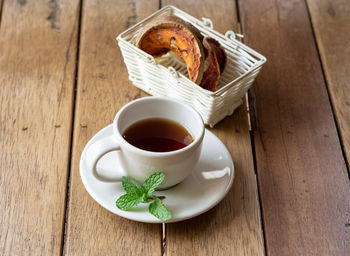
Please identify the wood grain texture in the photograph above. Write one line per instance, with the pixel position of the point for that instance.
(301, 171)
(233, 226)
(331, 23)
(103, 88)
(38, 42)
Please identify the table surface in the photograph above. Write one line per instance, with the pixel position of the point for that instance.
(62, 79)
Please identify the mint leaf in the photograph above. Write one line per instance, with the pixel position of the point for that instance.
(131, 188)
(158, 209)
(128, 201)
(136, 194)
(152, 182)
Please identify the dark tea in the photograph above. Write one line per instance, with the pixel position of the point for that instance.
(157, 135)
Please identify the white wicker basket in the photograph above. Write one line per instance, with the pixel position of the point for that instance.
(167, 75)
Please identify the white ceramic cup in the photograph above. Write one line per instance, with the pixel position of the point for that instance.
(139, 164)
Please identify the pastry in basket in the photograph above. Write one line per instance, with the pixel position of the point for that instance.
(204, 57)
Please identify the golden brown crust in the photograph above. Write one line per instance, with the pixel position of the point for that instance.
(204, 57)
(170, 33)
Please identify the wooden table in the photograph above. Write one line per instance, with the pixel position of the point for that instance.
(62, 79)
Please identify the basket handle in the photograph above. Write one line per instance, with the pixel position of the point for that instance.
(207, 22)
(232, 35)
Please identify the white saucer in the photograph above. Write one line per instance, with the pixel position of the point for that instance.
(201, 191)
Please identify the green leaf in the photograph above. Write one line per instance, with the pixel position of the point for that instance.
(128, 201)
(158, 209)
(131, 188)
(136, 194)
(152, 182)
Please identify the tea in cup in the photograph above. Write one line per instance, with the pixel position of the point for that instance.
(153, 134)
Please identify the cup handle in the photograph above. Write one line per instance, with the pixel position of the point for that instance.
(97, 150)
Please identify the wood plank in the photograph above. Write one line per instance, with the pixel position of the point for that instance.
(103, 88)
(232, 227)
(0, 10)
(331, 23)
(302, 175)
(38, 42)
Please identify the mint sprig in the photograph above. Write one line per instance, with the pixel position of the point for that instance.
(136, 194)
